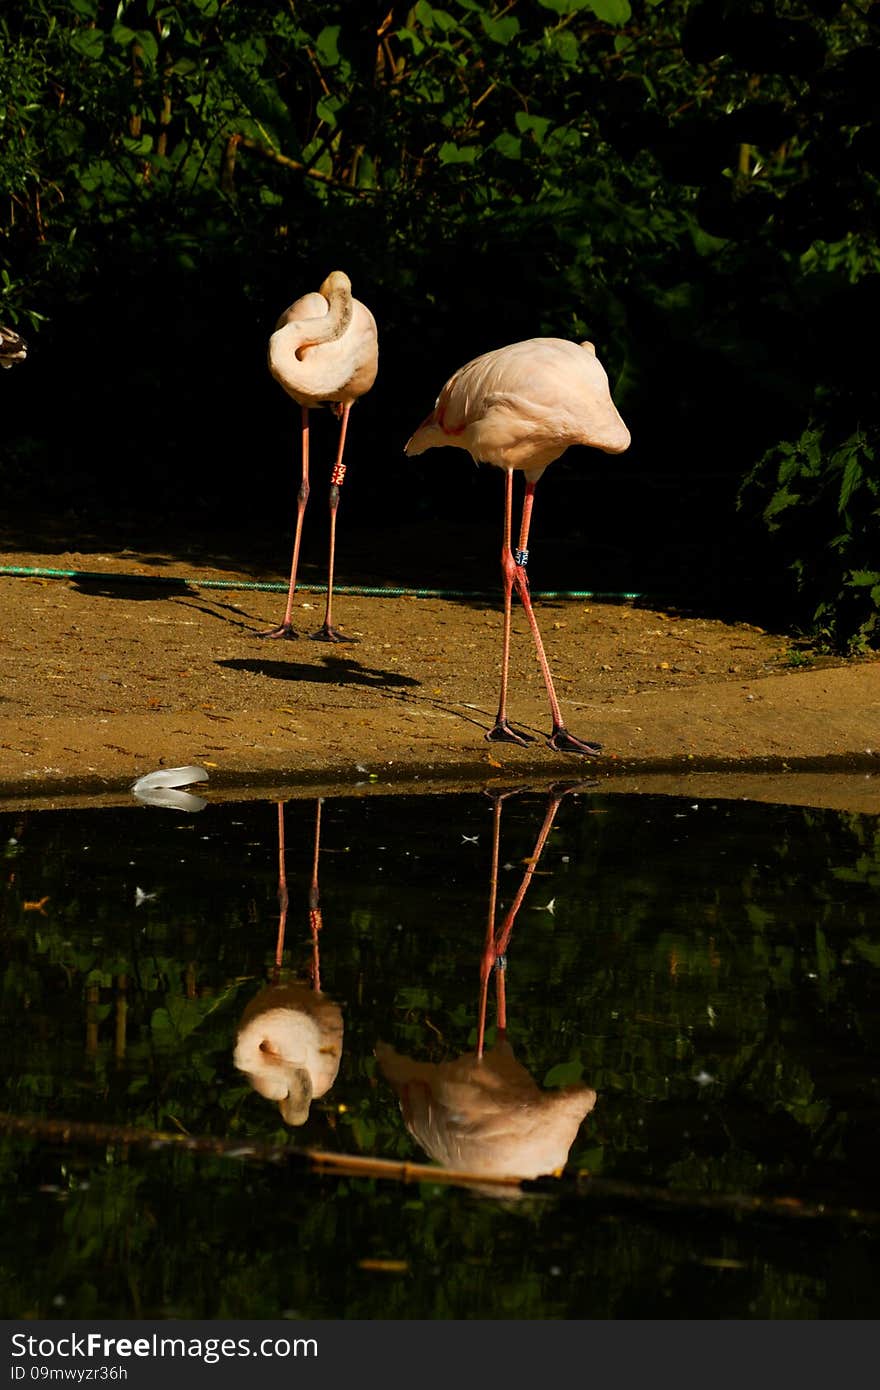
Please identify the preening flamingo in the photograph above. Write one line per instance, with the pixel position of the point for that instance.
(13, 347)
(289, 1042)
(520, 407)
(324, 351)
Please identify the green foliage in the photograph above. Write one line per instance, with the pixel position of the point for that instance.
(825, 502)
(692, 185)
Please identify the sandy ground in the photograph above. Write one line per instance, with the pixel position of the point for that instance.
(122, 669)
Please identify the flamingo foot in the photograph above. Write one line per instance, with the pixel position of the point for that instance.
(329, 634)
(282, 630)
(564, 742)
(503, 733)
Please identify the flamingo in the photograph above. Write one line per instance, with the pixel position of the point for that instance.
(487, 1115)
(289, 1041)
(483, 1112)
(13, 347)
(520, 407)
(324, 351)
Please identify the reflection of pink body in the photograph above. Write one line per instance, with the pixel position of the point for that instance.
(324, 351)
(13, 348)
(289, 1046)
(483, 1113)
(520, 407)
(289, 1042)
(486, 1114)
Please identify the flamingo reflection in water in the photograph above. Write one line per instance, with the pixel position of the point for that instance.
(289, 1042)
(483, 1113)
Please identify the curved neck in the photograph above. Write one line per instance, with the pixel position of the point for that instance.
(331, 326)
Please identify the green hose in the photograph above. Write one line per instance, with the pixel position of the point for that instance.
(272, 587)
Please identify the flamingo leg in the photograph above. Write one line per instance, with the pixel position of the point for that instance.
(327, 633)
(495, 947)
(560, 738)
(283, 899)
(315, 919)
(501, 731)
(488, 961)
(285, 628)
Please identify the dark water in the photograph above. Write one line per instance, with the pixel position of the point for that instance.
(709, 970)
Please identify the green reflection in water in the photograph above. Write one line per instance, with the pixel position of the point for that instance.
(709, 969)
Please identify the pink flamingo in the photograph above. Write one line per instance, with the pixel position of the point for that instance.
(324, 351)
(482, 1111)
(289, 1041)
(13, 347)
(520, 407)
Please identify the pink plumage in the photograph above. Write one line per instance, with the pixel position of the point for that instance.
(520, 407)
(324, 351)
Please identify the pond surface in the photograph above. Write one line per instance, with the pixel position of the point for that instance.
(691, 992)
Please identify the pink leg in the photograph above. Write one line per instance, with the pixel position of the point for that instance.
(501, 732)
(502, 940)
(487, 963)
(496, 944)
(328, 633)
(560, 738)
(315, 919)
(285, 629)
(282, 891)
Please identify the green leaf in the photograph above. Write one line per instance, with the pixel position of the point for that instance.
(327, 45)
(591, 1159)
(178, 1019)
(564, 1074)
(89, 43)
(566, 6)
(431, 18)
(508, 145)
(450, 153)
(410, 36)
(327, 108)
(538, 125)
(611, 11)
(567, 46)
(852, 474)
(778, 503)
(500, 30)
(122, 35)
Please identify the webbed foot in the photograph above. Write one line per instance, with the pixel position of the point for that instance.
(564, 742)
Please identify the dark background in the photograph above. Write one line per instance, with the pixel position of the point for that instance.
(690, 185)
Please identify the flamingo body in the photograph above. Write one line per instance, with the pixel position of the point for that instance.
(289, 1046)
(486, 1115)
(13, 347)
(325, 348)
(520, 407)
(324, 351)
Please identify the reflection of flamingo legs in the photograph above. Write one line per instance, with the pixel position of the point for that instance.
(315, 919)
(283, 899)
(289, 1041)
(497, 942)
(482, 1112)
